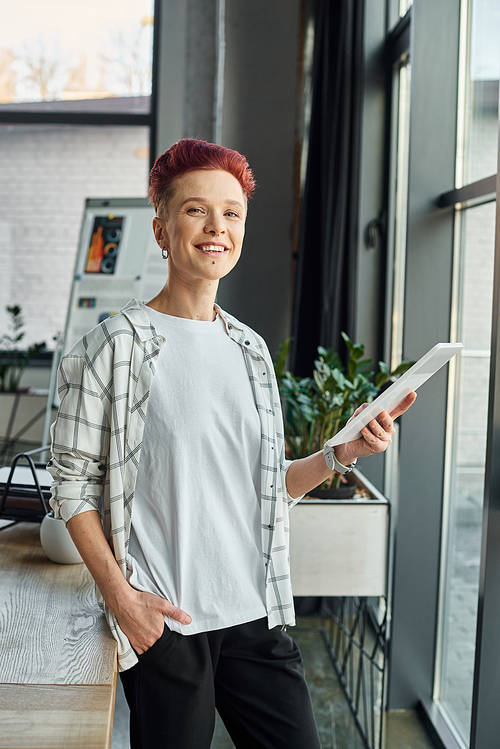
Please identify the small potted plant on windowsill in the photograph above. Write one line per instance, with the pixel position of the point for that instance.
(318, 407)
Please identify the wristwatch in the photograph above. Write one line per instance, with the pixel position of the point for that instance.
(332, 462)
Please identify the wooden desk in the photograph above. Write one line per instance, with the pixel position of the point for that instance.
(57, 656)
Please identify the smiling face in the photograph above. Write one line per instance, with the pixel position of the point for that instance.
(203, 226)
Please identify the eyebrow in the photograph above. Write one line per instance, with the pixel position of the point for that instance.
(205, 200)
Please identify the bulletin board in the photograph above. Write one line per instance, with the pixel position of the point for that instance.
(117, 259)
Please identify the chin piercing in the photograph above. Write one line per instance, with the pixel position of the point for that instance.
(213, 262)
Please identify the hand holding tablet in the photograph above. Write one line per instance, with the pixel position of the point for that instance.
(427, 366)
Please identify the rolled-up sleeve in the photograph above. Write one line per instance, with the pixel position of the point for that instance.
(80, 441)
(291, 500)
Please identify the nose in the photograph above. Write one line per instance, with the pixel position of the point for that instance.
(215, 227)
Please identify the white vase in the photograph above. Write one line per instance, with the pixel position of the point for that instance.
(56, 541)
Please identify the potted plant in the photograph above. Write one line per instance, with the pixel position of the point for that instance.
(13, 362)
(19, 412)
(337, 548)
(317, 407)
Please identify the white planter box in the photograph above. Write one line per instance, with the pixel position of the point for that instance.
(340, 547)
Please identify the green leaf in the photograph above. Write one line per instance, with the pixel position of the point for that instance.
(283, 351)
(402, 368)
(318, 407)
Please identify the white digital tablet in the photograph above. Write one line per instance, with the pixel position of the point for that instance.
(421, 371)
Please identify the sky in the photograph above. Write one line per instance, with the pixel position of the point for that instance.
(485, 40)
(63, 29)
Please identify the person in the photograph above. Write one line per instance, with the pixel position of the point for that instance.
(168, 465)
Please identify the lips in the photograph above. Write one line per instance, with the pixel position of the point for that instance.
(214, 248)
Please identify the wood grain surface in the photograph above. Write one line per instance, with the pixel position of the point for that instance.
(51, 629)
(56, 717)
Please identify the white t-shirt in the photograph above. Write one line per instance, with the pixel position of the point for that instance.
(196, 523)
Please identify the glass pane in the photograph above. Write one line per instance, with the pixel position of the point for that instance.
(396, 256)
(400, 212)
(481, 103)
(466, 467)
(47, 173)
(91, 56)
(404, 6)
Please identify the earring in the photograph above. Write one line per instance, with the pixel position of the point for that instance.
(164, 253)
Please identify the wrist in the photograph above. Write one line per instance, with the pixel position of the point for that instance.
(343, 456)
(119, 595)
(334, 463)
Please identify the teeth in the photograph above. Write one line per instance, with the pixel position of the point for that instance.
(212, 248)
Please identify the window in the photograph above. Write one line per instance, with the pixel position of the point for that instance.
(77, 120)
(465, 465)
(469, 373)
(99, 51)
(398, 208)
(481, 58)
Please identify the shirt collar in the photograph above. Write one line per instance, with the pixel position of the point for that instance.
(145, 329)
(139, 320)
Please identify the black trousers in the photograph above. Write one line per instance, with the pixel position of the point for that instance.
(252, 675)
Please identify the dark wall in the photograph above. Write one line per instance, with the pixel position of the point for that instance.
(259, 118)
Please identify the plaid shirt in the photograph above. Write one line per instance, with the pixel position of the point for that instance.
(104, 384)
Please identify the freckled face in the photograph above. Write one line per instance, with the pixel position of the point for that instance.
(204, 225)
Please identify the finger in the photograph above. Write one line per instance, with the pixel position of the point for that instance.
(405, 404)
(385, 421)
(376, 442)
(382, 427)
(358, 410)
(175, 613)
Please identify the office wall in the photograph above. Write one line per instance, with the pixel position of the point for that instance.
(46, 173)
(259, 116)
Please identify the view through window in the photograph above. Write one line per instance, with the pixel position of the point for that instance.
(98, 51)
(472, 308)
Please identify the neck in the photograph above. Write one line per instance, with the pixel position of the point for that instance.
(179, 300)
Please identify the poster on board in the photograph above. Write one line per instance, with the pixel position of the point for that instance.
(104, 244)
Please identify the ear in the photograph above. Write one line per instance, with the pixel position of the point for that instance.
(160, 232)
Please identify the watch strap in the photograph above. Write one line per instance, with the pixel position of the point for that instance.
(332, 462)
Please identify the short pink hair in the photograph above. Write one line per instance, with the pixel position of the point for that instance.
(189, 154)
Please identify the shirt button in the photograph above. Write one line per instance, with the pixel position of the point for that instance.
(229, 327)
(247, 343)
(269, 526)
